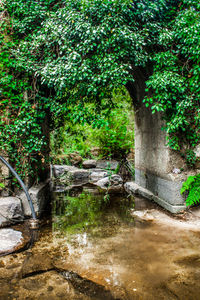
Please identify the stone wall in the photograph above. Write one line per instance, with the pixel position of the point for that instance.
(157, 168)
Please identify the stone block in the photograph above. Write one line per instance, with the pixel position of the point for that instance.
(39, 195)
(134, 188)
(10, 210)
(113, 184)
(107, 164)
(79, 175)
(59, 170)
(174, 205)
(89, 164)
(96, 176)
(131, 188)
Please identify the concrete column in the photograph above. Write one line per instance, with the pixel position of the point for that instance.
(157, 168)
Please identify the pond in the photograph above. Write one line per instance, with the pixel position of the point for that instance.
(97, 247)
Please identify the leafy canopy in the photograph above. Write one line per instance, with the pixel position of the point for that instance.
(58, 55)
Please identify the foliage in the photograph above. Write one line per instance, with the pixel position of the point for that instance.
(114, 135)
(192, 186)
(78, 213)
(113, 138)
(174, 86)
(2, 185)
(58, 55)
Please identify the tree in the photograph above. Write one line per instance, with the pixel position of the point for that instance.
(72, 52)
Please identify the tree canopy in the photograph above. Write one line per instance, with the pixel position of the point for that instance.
(57, 55)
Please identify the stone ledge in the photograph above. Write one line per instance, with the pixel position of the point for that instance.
(39, 195)
(135, 189)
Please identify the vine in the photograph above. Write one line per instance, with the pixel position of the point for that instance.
(58, 55)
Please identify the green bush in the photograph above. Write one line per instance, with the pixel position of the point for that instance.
(192, 186)
(112, 131)
(114, 138)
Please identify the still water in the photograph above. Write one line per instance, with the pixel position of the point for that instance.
(92, 247)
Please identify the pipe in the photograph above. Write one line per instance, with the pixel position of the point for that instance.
(34, 220)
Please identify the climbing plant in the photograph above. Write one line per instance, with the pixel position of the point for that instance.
(174, 85)
(58, 55)
(192, 187)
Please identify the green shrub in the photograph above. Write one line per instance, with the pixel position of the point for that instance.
(192, 186)
(114, 138)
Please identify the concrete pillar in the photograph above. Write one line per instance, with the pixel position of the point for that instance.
(157, 168)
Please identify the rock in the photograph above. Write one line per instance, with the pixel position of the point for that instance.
(135, 189)
(131, 188)
(79, 175)
(116, 179)
(113, 184)
(10, 209)
(75, 158)
(59, 170)
(91, 163)
(107, 164)
(144, 215)
(69, 174)
(96, 176)
(39, 195)
(10, 239)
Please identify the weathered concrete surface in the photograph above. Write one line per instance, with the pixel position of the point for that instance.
(136, 189)
(40, 197)
(10, 210)
(10, 239)
(155, 163)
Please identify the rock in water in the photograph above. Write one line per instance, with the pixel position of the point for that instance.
(10, 240)
(10, 210)
(112, 184)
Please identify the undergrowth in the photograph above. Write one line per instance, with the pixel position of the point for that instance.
(192, 187)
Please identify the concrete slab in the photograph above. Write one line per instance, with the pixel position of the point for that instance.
(135, 189)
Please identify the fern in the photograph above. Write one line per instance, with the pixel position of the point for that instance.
(192, 185)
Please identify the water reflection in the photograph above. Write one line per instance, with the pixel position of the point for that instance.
(87, 212)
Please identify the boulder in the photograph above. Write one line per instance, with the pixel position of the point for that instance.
(89, 164)
(107, 164)
(67, 174)
(96, 176)
(59, 170)
(112, 184)
(39, 195)
(10, 210)
(79, 175)
(10, 240)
